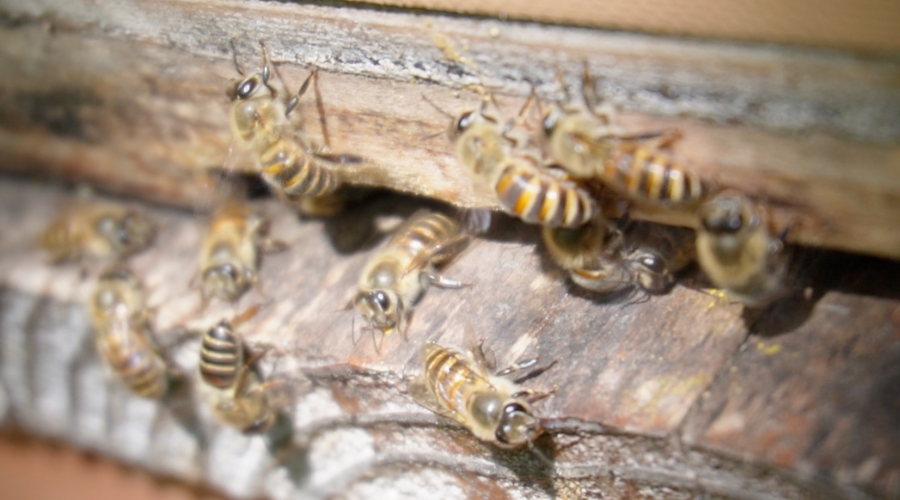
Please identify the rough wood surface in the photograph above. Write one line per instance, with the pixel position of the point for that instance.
(869, 25)
(129, 97)
(672, 397)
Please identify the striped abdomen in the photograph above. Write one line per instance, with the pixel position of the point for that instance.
(539, 198)
(652, 176)
(136, 363)
(451, 376)
(423, 233)
(289, 169)
(221, 356)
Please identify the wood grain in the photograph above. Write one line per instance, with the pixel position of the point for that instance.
(639, 385)
(130, 98)
(842, 24)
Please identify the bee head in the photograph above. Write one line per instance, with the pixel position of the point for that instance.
(728, 214)
(116, 288)
(517, 426)
(127, 235)
(651, 272)
(381, 308)
(225, 281)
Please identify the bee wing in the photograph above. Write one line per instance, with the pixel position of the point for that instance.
(424, 398)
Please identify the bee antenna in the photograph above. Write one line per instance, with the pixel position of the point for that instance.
(234, 59)
(438, 108)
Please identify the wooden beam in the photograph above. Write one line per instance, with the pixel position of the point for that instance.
(130, 99)
(673, 395)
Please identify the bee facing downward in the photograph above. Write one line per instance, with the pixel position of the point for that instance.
(237, 395)
(495, 409)
(600, 257)
(260, 119)
(584, 140)
(737, 252)
(522, 187)
(122, 334)
(395, 278)
(97, 230)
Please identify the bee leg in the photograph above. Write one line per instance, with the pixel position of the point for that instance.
(518, 366)
(440, 281)
(532, 396)
(268, 245)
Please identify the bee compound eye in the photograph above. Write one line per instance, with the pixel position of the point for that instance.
(464, 122)
(246, 88)
(383, 301)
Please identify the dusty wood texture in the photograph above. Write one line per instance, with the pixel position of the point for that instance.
(645, 403)
(869, 25)
(130, 97)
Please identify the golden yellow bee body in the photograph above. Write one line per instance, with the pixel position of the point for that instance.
(122, 334)
(494, 408)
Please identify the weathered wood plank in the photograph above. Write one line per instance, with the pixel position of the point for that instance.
(625, 379)
(822, 397)
(840, 24)
(130, 98)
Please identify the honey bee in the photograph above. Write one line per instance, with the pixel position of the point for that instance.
(737, 252)
(523, 189)
(260, 118)
(582, 137)
(96, 230)
(122, 334)
(236, 393)
(659, 254)
(397, 276)
(229, 254)
(603, 258)
(591, 254)
(494, 408)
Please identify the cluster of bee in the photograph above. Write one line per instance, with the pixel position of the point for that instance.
(556, 189)
(122, 321)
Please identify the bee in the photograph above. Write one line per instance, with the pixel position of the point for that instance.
(591, 254)
(582, 137)
(737, 252)
(96, 230)
(397, 276)
(260, 118)
(494, 408)
(659, 254)
(122, 334)
(523, 189)
(236, 393)
(229, 253)
(604, 258)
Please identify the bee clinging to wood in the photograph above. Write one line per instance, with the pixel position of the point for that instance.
(230, 251)
(260, 119)
(237, 394)
(98, 230)
(737, 251)
(603, 257)
(522, 187)
(397, 276)
(657, 254)
(583, 138)
(591, 254)
(458, 385)
(123, 337)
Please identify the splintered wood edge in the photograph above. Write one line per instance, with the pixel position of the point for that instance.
(811, 135)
